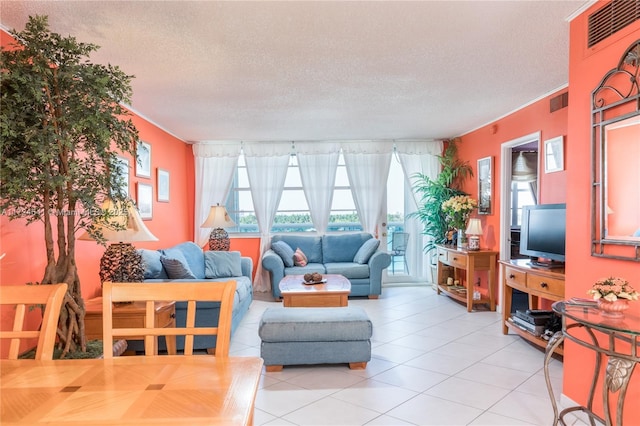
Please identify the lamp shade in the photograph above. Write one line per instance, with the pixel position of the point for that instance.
(474, 227)
(218, 218)
(121, 262)
(129, 218)
(524, 167)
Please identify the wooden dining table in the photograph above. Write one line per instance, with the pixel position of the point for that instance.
(176, 390)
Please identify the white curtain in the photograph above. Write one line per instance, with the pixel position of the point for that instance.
(267, 165)
(215, 166)
(367, 165)
(318, 162)
(417, 157)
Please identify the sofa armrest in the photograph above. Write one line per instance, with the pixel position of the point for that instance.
(273, 263)
(246, 263)
(377, 263)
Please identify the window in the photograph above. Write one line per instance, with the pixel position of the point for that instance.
(521, 195)
(293, 213)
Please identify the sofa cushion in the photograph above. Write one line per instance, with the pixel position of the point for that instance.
(350, 270)
(222, 264)
(193, 255)
(153, 268)
(283, 250)
(342, 248)
(310, 245)
(299, 259)
(301, 270)
(176, 267)
(366, 251)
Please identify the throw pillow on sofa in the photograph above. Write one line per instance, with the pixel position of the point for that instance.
(366, 251)
(176, 266)
(222, 264)
(299, 259)
(152, 265)
(285, 251)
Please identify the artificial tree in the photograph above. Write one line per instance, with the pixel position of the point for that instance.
(62, 123)
(433, 192)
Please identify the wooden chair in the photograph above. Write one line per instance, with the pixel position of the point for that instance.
(190, 292)
(20, 298)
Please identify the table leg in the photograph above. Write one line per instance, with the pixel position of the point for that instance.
(471, 275)
(491, 275)
(555, 341)
(617, 378)
(506, 307)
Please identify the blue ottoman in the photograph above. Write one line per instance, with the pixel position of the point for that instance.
(297, 336)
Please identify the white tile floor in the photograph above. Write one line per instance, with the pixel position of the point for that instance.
(432, 364)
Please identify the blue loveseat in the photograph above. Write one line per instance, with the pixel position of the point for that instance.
(188, 262)
(355, 256)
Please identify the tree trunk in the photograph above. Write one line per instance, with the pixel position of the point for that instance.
(71, 333)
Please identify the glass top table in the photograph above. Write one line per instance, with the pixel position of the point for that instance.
(590, 315)
(617, 339)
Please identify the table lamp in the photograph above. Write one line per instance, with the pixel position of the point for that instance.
(121, 262)
(218, 218)
(474, 230)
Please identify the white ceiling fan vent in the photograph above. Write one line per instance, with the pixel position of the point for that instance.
(612, 18)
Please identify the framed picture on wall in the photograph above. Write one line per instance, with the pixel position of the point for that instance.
(122, 164)
(554, 155)
(163, 185)
(485, 167)
(145, 200)
(143, 160)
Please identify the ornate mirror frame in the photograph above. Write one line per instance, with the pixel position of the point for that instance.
(616, 98)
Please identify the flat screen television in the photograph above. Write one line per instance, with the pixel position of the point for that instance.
(542, 235)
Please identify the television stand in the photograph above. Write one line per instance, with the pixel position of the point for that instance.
(539, 283)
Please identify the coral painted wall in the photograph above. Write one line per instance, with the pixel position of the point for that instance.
(487, 141)
(23, 246)
(586, 69)
(587, 66)
(172, 222)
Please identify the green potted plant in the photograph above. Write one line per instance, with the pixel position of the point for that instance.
(434, 192)
(62, 123)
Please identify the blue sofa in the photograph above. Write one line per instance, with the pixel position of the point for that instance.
(188, 262)
(351, 255)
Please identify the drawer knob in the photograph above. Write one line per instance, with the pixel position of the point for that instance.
(455, 258)
(173, 315)
(512, 276)
(544, 285)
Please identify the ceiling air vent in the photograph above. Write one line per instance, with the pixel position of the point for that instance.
(612, 18)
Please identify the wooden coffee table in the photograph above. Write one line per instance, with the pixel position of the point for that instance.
(296, 294)
(130, 315)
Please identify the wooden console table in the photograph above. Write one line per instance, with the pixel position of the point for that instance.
(469, 261)
(129, 315)
(538, 283)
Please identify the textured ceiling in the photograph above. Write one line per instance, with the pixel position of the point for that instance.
(208, 70)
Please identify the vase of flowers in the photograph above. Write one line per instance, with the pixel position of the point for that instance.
(457, 211)
(613, 295)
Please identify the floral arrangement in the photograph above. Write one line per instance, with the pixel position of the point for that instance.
(457, 210)
(612, 289)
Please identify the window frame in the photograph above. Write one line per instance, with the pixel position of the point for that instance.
(233, 204)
